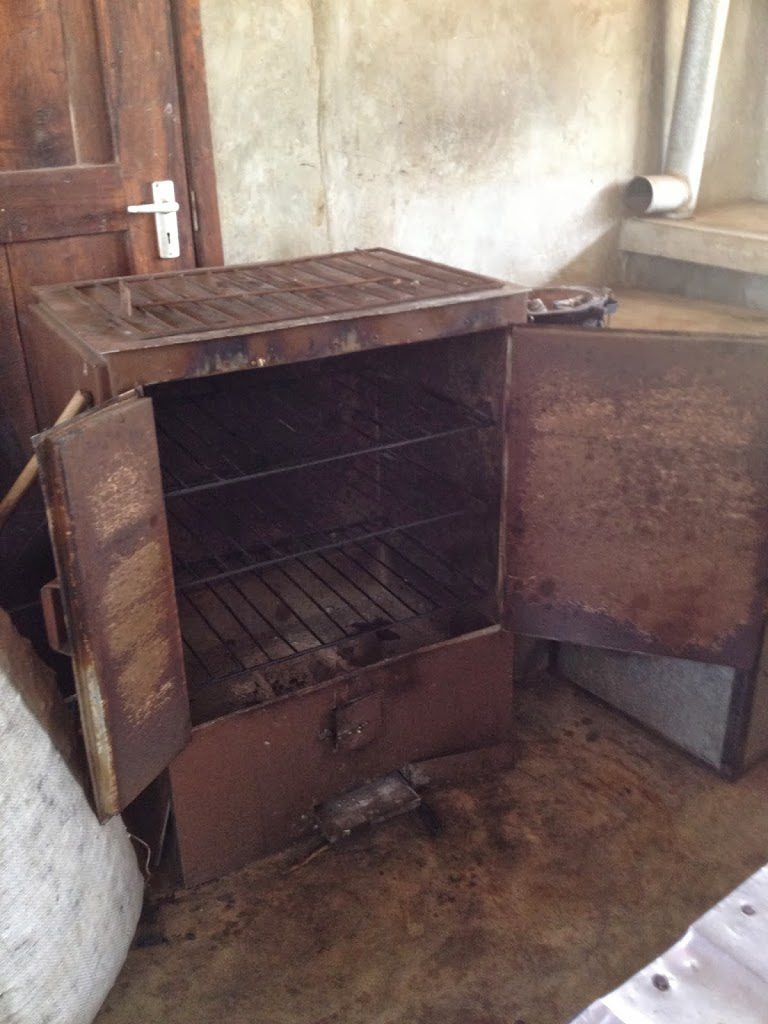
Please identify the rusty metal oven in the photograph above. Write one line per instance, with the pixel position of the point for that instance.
(315, 497)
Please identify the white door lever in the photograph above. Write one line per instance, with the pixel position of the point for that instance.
(153, 208)
(165, 208)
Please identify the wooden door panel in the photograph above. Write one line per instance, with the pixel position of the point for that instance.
(201, 175)
(142, 91)
(89, 117)
(639, 491)
(17, 417)
(35, 123)
(91, 123)
(101, 480)
(56, 260)
(61, 202)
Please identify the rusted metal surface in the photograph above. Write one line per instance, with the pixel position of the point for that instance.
(53, 617)
(639, 491)
(204, 322)
(101, 479)
(756, 739)
(323, 638)
(58, 367)
(265, 769)
(469, 764)
(357, 724)
(361, 501)
(369, 804)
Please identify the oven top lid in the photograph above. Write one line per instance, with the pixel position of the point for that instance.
(162, 315)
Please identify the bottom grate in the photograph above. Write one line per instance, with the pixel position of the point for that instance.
(268, 616)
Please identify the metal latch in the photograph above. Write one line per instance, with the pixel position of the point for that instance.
(358, 723)
(165, 208)
(53, 617)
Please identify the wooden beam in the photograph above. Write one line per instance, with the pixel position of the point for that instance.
(78, 201)
(28, 475)
(196, 129)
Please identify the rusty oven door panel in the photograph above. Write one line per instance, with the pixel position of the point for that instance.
(638, 491)
(101, 479)
(266, 768)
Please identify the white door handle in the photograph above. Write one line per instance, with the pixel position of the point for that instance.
(165, 209)
(153, 208)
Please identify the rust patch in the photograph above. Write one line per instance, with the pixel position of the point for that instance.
(101, 478)
(640, 490)
(676, 412)
(134, 606)
(117, 499)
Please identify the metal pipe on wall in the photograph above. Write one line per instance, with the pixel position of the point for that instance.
(676, 190)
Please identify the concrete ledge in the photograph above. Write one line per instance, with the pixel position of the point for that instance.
(643, 310)
(734, 237)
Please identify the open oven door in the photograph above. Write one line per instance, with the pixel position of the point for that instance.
(101, 480)
(637, 503)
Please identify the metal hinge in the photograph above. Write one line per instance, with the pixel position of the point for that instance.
(193, 207)
(358, 723)
(165, 209)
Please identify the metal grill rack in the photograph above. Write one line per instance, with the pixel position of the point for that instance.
(316, 601)
(268, 521)
(229, 298)
(305, 508)
(207, 439)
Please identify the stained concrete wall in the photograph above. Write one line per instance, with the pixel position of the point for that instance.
(489, 133)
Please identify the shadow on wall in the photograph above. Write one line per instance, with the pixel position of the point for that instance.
(598, 263)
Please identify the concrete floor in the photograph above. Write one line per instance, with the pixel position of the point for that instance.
(548, 886)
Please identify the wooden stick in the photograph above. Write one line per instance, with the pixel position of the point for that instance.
(28, 475)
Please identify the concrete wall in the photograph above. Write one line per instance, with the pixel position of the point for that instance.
(489, 133)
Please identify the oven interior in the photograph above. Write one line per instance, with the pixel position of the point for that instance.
(327, 515)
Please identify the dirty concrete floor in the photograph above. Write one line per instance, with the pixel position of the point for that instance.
(548, 886)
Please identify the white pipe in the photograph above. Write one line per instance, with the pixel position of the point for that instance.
(691, 117)
(656, 193)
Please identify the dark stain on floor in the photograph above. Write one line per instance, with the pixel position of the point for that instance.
(547, 886)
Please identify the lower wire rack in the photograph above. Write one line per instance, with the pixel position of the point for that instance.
(314, 510)
(268, 616)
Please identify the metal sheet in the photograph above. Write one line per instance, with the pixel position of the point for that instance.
(639, 491)
(197, 323)
(101, 480)
(373, 803)
(687, 702)
(716, 972)
(756, 744)
(268, 767)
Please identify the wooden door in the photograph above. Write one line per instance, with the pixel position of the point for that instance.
(89, 117)
(638, 491)
(118, 620)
